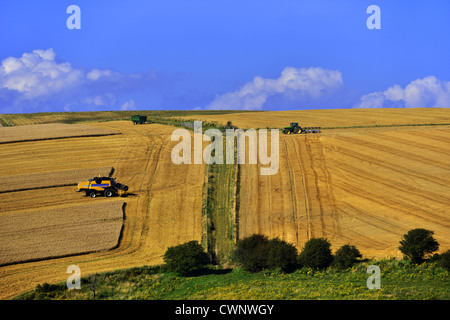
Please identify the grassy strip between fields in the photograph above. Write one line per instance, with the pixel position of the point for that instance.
(221, 191)
(399, 280)
(220, 217)
(4, 122)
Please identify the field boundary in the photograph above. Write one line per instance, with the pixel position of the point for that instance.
(205, 189)
(119, 240)
(237, 202)
(59, 138)
(39, 188)
(221, 210)
(389, 126)
(378, 126)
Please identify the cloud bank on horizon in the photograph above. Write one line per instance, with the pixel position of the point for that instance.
(319, 83)
(293, 83)
(425, 92)
(37, 82)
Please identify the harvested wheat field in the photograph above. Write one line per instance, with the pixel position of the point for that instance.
(49, 131)
(367, 179)
(366, 187)
(21, 182)
(61, 231)
(363, 185)
(28, 200)
(34, 157)
(332, 118)
(163, 207)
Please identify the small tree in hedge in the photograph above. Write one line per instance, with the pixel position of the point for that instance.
(417, 244)
(346, 256)
(444, 260)
(257, 252)
(316, 254)
(281, 255)
(185, 259)
(251, 252)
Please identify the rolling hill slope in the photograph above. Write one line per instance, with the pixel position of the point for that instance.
(363, 185)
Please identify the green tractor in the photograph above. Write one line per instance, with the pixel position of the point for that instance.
(137, 119)
(295, 128)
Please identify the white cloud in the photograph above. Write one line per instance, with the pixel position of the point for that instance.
(95, 74)
(128, 105)
(96, 101)
(48, 54)
(426, 92)
(37, 81)
(37, 74)
(372, 100)
(310, 83)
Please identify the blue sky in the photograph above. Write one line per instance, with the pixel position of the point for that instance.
(203, 54)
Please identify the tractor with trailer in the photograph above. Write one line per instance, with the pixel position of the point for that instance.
(106, 186)
(137, 119)
(294, 128)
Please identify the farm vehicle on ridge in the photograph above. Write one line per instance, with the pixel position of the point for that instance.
(137, 119)
(294, 128)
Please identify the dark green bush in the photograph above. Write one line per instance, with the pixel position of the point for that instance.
(186, 259)
(316, 254)
(47, 288)
(281, 255)
(47, 291)
(346, 256)
(444, 260)
(257, 252)
(417, 244)
(251, 252)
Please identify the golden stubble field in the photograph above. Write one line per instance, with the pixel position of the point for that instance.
(332, 117)
(48, 131)
(363, 186)
(60, 231)
(164, 207)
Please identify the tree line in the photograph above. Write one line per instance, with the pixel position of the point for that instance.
(258, 252)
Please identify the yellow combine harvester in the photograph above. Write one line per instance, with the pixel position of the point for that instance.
(102, 185)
